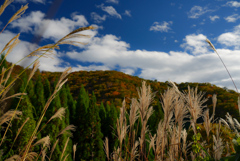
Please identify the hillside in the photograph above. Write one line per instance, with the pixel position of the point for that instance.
(114, 86)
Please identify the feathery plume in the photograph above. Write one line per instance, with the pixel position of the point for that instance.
(10, 45)
(74, 151)
(44, 141)
(69, 127)
(31, 156)
(211, 45)
(34, 69)
(214, 100)
(18, 13)
(4, 5)
(44, 154)
(59, 114)
(134, 151)
(8, 116)
(106, 147)
(14, 158)
(207, 122)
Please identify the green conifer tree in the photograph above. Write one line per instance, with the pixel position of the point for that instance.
(111, 118)
(64, 103)
(82, 121)
(102, 114)
(71, 105)
(96, 135)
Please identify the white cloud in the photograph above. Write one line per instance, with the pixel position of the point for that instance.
(90, 68)
(233, 3)
(176, 66)
(112, 1)
(195, 43)
(231, 39)
(232, 18)
(110, 10)
(97, 18)
(197, 11)
(162, 27)
(213, 18)
(128, 13)
(49, 29)
(110, 52)
(24, 48)
(128, 71)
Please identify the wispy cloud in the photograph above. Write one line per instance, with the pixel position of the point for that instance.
(110, 10)
(196, 44)
(112, 1)
(128, 13)
(162, 27)
(48, 29)
(233, 4)
(197, 11)
(231, 39)
(232, 18)
(213, 18)
(97, 18)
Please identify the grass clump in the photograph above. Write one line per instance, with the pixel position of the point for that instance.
(34, 148)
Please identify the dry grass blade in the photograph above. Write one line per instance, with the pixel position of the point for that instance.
(230, 121)
(237, 124)
(184, 144)
(34, 69)
(4, 5)
(106, 147)
(57, 88)
(15, 95)
(211, 45)
(65, 157)
(44, 51)
(152, 142)
(134, 114)
(8, 76)
(214, 100)
(18, 13)
(195, 103)
(44, 141)
(59, 114)
(218, 145)
(61, 79)
(53, 148)
(207, 122)
(10, 45)
(74, 151)
(134, 151)
(44, 154)
(31, 156)
(65, 146)
(8, 116)
(14, 158)
(69, 127)
(20, 129)
(239, 104)
(74, 32)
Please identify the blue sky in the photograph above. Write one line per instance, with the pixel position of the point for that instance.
(155, 39)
